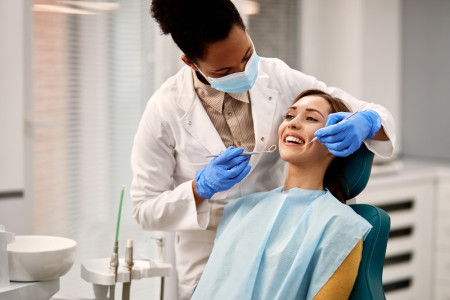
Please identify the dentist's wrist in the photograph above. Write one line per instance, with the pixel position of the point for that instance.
(374, 120)
(198, 199)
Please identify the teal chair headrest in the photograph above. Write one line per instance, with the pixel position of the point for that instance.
(369, 283)
(357, 167)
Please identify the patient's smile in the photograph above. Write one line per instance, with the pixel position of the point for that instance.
(293, 139)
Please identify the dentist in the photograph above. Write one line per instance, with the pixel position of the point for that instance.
(225, 100)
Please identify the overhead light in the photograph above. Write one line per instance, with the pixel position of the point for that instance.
(74, 7)
(60, 9)
(108, 6)
(251, 7)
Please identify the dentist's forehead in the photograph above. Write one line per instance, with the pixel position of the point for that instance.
(230, 51)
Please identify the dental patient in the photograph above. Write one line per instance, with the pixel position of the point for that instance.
(299, 241)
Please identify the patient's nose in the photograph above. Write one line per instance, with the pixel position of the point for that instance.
(294, 123)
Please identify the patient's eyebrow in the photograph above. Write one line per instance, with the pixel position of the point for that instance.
(307, 109)
(315, 110)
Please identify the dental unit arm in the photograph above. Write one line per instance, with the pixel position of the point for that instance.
(104, 273)
(129, 262)
(103, 278)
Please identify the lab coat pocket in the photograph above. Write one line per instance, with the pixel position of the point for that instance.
(185, 169)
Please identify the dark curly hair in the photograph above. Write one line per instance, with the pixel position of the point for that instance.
(194, 24)
(334, 179)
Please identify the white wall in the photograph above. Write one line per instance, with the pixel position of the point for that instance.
(426, 86)
(14, 88)
(11, 87)
(355, 45)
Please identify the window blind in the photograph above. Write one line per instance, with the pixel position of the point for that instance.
(274, 28)
(93, 73)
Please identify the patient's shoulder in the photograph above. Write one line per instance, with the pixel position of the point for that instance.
(333, 209)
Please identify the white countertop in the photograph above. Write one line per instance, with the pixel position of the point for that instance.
(38, 290)
(409, 169)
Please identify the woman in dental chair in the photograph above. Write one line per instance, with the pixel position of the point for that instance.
(299, 241)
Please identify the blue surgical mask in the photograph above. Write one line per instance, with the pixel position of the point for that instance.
(239, 82)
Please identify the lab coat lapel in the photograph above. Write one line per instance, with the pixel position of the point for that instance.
(197, 122)
(264, 100)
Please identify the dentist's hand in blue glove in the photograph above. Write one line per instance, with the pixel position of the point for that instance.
(222, 172)
(344, 138)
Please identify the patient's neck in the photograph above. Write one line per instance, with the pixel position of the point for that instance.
(306, 177)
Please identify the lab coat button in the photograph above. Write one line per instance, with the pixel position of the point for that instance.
(270, 98)
(189, 122)
(262, 139)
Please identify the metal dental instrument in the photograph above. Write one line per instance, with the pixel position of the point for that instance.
(161, 240)
(129, 261)
(313, 140)
(316, 137)
(271, 149)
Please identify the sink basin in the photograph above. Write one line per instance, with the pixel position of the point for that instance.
(40, 257)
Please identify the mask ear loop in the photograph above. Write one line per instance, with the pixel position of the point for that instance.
(204, 76)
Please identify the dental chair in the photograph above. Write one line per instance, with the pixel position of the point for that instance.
(368, 284)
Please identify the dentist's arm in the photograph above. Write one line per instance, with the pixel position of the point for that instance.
(381, 135)
(157, 203)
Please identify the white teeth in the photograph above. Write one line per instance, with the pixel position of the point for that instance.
(293, 139)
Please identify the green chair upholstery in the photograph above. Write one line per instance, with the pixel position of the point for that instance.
(368, 284)
(357, 167)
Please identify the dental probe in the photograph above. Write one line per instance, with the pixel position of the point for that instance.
(347, 117)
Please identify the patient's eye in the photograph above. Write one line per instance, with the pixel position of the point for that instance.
(288, 117)
(310, 118)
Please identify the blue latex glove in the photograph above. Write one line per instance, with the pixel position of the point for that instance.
(222, 172)
(344, 138)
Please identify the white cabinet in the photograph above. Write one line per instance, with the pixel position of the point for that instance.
(441, 280)
(417, 199)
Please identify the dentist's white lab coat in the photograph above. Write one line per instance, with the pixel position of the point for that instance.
(174, 137)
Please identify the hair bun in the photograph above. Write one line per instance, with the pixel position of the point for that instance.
(165, 12)
(173, 15)
(193, 24)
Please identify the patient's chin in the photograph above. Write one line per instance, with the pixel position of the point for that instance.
(317, 157)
